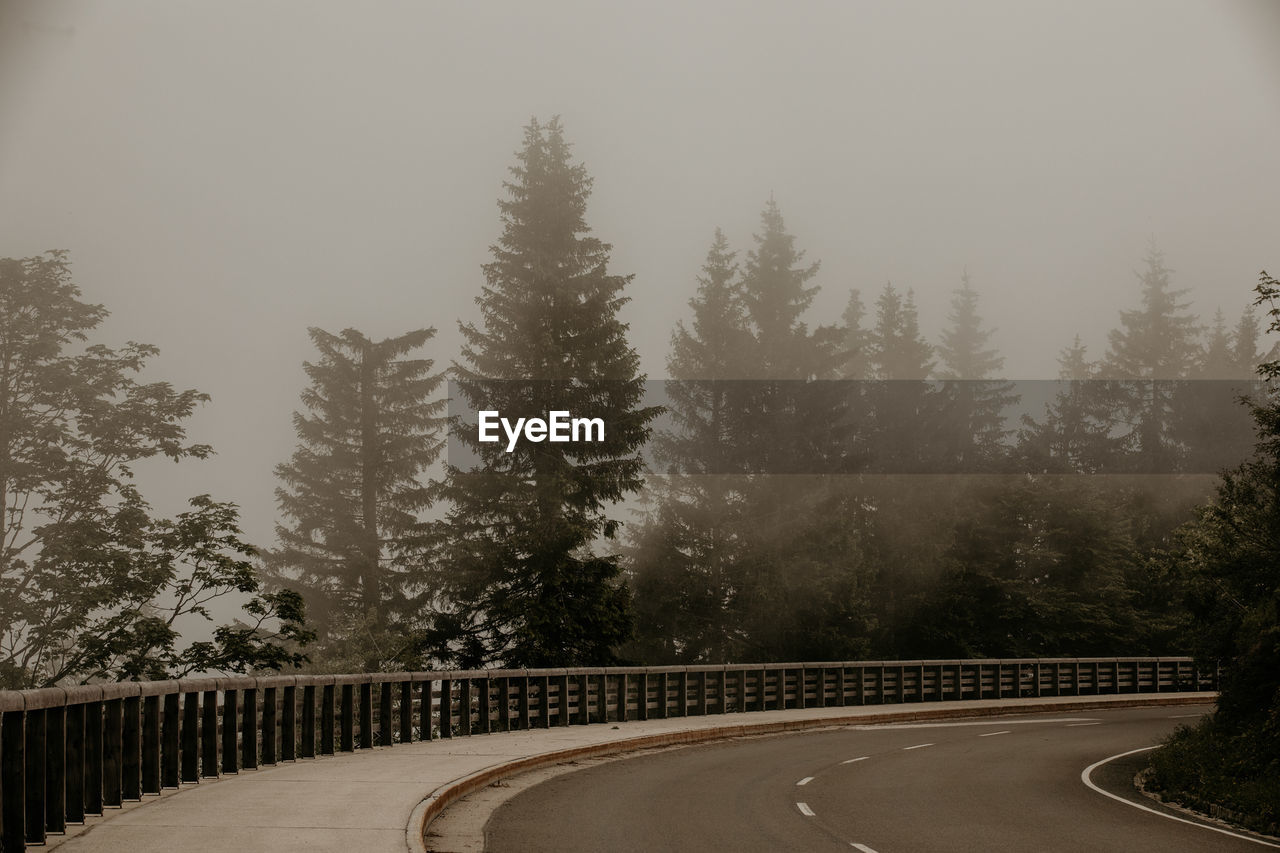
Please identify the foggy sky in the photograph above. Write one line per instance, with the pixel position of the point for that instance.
(226, 174)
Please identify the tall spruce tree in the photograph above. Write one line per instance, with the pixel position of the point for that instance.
(904, 407)
(1245, 341)
(1213, 429)
(683, 555)
(800, 593)
(856, 356)
(898, 351)
(1075, 434)
(352, 494)
(797, 425)
(974, 399)
(717, 347)
(1217, 358)
(777, 292)
(524, 583)
(1155, 343)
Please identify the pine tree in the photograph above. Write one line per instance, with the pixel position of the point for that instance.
(1155, 343)
(905, 433)
(776, 291)
(524, 584)
(683, 562)
(974, 403)
(1245, 354)
(705, 403)
(1076, 435)
(800, 423)
(898, 351)
(964, 349)
(1217, 358)
(857, 340)
(1035, 566)
(353, 494)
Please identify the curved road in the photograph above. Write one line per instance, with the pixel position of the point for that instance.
(987, 785)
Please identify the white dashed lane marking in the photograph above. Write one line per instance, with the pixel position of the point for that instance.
(918, 746)
(804, 809)
(993, 734)
(805, 781)
(864, 848)
(851, 760)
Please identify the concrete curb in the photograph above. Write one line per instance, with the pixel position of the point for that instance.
(445, 795)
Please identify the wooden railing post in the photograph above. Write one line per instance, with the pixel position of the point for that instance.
(366, 714)
(230, 733)
(563, 717)
(424, 712)
(270, 722)
(582, 683)
(94, 757)
(642, 695)
(307, 745)
(328, 717)
(75, 761)
(446, 708)
(504, 703)
(483, 706)
(33, 748)
(112, 750)
(348, 721)
(523, 712)
(131, 744)
(249, 730)
(13, 770)
(152, 744)
(544, 702)
(289, 723)
(55, 768)
(188, 736)
(386, 715)
(465, 707)
(406, 709)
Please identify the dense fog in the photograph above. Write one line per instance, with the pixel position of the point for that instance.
(225, 175)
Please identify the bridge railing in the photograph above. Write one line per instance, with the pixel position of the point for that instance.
(70, 752)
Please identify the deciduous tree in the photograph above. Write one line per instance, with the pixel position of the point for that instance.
(92, 584)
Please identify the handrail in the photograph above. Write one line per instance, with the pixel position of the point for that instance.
(70, 752)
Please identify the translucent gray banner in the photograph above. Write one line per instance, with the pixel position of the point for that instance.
(859, 427)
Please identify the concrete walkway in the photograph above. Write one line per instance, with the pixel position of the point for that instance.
(379, 800)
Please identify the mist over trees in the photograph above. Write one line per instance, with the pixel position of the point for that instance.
(817, 490)
(917, 520)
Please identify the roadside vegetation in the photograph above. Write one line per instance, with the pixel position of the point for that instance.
(1230, 762)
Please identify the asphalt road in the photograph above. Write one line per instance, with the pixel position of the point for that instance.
(984, 785)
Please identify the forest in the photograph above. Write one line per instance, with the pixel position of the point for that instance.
(800, 492)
